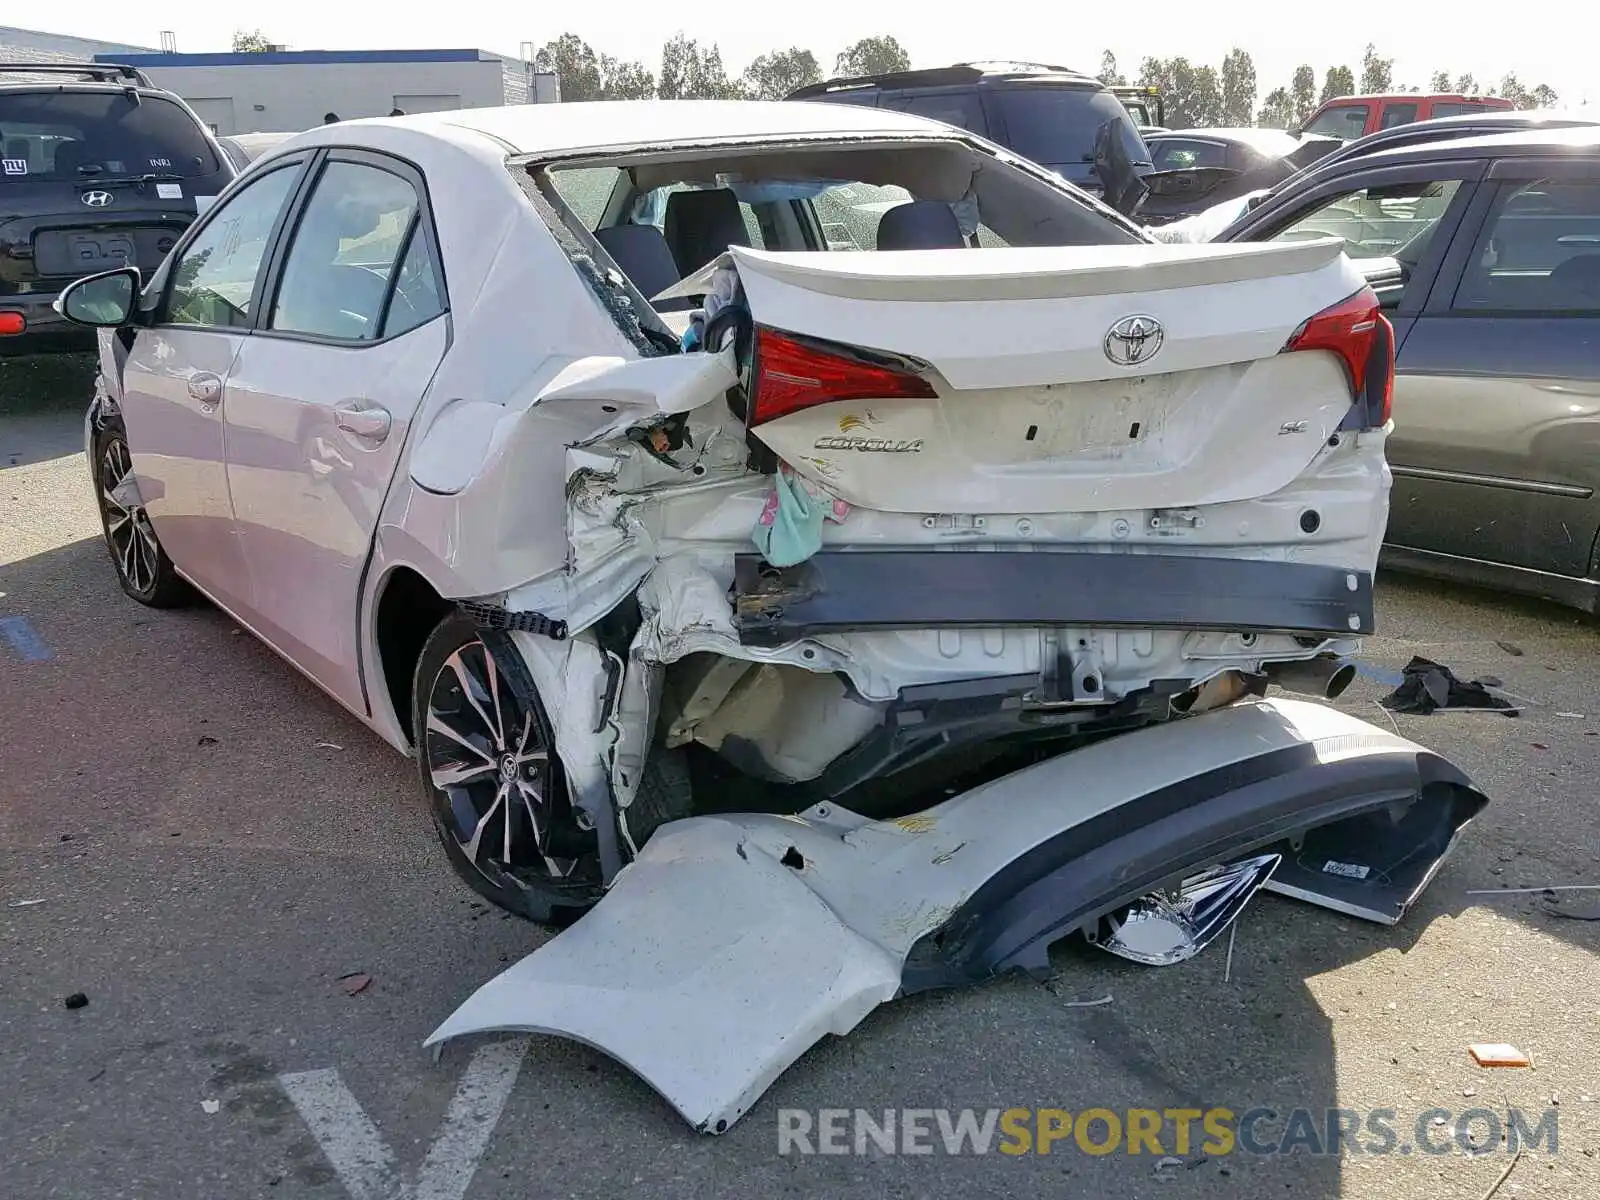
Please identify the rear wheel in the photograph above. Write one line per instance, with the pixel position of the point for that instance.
(143, 568)
(494, 784)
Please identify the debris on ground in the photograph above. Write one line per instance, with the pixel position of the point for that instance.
(1429, 686)
(24, 903)
(1530, 891)
(1511, 648)
(206, 740)
(1571, 716)
(328, 746)
(1554, 908)
(76, 1000)
(355, 982)
(1504, 1175)
(1166, 1168)
(1086, 1003)
(211, 1107)
(1498, 1054)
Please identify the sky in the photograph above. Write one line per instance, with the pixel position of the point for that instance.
(1545, 43)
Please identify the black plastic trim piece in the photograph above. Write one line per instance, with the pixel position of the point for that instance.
(881, 589)
(493, 617)
(1090, 869)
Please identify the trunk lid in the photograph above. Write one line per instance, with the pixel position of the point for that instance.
(1053, 379)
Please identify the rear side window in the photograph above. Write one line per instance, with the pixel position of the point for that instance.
(1539, 251)
(1398, 114)
(77, 136)
(962, 109)
(1454, 108)
(1174, 154)
(1057, 125)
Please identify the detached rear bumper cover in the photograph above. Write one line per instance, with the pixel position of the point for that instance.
(733, 944)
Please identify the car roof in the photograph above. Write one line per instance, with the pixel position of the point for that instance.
(1557, 140)
(1266, 141)
(556, 129)
(971, 73)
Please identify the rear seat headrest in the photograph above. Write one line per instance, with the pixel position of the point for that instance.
(642, 253)
(702, 224)
(920, 225)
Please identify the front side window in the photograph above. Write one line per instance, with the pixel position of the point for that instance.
(59, 136)
(1378, 221)
(215, 276)
(350, 237)
(1538, 252)
(1341, 121)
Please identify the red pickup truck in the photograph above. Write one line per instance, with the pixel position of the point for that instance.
(1350, 117)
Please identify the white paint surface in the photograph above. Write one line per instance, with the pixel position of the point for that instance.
(363, 1161)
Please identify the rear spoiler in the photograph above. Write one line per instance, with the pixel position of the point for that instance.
(87, 71)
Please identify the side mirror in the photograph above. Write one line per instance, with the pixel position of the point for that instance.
(104, 301)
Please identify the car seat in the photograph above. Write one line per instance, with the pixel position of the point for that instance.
(1575, 283)
(320, 294)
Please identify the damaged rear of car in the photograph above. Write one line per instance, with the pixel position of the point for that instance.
(928, 558)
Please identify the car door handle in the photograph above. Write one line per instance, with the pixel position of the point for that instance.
(365, 421)
(205, 387)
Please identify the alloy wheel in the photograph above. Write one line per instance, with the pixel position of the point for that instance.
(505, 802)
(128, 530)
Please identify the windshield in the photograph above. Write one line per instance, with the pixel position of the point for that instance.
(1057, 125)
(75, 136)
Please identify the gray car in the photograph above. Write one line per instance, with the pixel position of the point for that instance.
(1486, 253)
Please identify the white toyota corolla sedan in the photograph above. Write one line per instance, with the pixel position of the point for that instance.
(627, 462)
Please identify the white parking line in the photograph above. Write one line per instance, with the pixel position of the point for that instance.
(366, 1165)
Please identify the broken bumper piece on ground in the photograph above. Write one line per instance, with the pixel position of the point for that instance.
(732, 944)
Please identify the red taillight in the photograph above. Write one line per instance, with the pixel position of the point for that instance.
(12, 323)
(1362, 337)
(792, 374)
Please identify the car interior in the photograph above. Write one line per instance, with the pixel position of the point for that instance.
(1539, 252)
(660, 218)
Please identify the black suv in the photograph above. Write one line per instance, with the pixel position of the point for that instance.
(98, 168)
(1066, 121)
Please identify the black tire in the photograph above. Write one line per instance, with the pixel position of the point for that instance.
(551, 888)
(143, 568)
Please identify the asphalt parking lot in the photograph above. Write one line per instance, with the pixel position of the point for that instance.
(203, 845)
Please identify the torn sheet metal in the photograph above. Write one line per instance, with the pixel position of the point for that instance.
(732, 944)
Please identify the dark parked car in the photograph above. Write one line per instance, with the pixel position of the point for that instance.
(1485, 252)
(98, 168)
(1196, 168)
(1050, 114)
(1442, 129)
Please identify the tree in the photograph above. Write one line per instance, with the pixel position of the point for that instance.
(1109, 75)
(872, 56)
(1339, 81)
(1377, 74)
(690, 73)
(626, 80)
(1543, 96)
(575, 65)
(1238, 87)
(1193, 94)
(1303, 92)
(1277, 110)
(774, 75)
(254, 42)
(1466, 85)
(1439, 81)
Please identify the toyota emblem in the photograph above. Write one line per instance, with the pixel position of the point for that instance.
(1134, 341)
(96, 199)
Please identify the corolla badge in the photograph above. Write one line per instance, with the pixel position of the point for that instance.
(1134, 340)
(96, 199)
